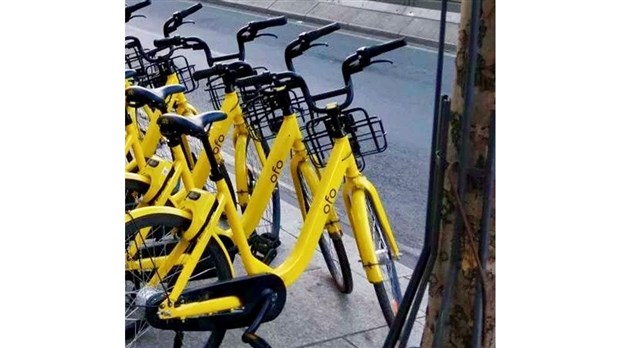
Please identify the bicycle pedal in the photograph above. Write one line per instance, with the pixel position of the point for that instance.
(246, 288)
(264, 247)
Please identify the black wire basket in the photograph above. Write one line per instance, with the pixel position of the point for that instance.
(216, 89)
(366, 135)
(155, 75)
(133, 60)
(214, 86)
(264, 116)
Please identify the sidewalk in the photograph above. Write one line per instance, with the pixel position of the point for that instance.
(316, 314)
(417, 25)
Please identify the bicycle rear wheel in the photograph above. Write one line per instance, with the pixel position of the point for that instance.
(332, 248)
(163, 228)
(388, 291)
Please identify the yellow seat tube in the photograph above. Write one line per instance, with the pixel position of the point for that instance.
(321, 207)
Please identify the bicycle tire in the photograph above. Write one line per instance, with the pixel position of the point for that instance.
(212, 266)
(388, 293)
(339, 267)
(270, 220)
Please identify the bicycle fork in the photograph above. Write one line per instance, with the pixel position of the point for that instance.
(356, 193)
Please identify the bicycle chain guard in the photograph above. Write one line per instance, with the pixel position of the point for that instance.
(246, 288)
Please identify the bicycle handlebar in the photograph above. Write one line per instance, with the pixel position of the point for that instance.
(177, 19)
(318, 33)
(267, 23)
(129, 10)
(234, 70)
(193, 43)
(262, 79)
(250, 32)
(304, 42)
(131, 41)
(167, 42)
(188, 11)
(376, 50)
(353, 64)
(362, 58)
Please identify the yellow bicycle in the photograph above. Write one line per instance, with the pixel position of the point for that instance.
(170, 302)
(157, 184)
(152, 71)
(166, 68)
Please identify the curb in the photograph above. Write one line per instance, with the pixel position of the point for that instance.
(449, 47)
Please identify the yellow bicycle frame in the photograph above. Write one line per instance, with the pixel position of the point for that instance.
(198, 176)
(341, 164)
(177, 102)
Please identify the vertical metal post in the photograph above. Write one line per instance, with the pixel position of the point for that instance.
(419, 278)
(435, 213)
(455, 255)
(483, 248)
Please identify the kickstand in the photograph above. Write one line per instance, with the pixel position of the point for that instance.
(178, 339)
(249, 336)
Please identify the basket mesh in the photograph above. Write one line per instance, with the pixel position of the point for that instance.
(153, 75)
(366, 135)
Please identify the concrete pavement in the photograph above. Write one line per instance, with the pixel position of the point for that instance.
(418, 25)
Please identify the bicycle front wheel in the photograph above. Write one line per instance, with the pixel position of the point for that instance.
(332, 248)
(161, 238)
(388, 291)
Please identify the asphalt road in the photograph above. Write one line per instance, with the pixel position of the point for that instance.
(400, 94)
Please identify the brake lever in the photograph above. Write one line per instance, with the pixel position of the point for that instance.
(150, 53)
(137, 16)
(267, 34)
(188, 22)
(318, 44)
(380, 61)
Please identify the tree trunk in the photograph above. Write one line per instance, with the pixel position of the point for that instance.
(459, 321)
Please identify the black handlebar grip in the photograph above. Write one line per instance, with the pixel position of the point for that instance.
(184, 13)
(376, 50)
(268, 23)
(136, 7)
(315, 34)
(206, 73)
(167, 42)
(260, 79)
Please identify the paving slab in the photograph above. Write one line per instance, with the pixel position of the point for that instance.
(333, 12)
(451, 17)
(300, 8)
(389, 22)
(337, 343)
(254, 3)
(375, 338)
(371, 5)
(382, 7)
(429, 29)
